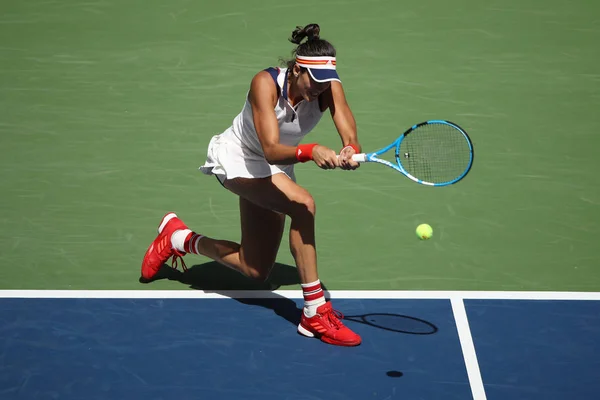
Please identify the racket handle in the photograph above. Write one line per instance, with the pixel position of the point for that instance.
(362, 157)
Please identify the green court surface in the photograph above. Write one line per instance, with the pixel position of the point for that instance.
(107, 108)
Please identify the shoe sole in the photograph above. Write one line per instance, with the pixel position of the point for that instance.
(303, 331)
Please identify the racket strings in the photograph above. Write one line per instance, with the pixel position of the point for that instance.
(435, 153)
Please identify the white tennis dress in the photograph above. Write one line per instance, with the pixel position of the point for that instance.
(237, 153)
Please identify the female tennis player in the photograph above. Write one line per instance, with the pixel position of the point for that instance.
(254, 158)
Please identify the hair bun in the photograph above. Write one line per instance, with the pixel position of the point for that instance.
(310, 32)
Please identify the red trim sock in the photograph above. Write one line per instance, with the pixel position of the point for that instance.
(190, 244)
(313, 297)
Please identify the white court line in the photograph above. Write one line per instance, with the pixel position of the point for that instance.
(468, 348)
(297, 294)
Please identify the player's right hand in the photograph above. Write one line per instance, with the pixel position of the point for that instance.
(324, 157)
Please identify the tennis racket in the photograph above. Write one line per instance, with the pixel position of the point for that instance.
(434, 153)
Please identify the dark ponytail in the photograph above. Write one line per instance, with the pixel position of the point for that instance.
(313, 46)
(310, 31)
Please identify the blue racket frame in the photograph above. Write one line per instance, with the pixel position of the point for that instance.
(373, 156)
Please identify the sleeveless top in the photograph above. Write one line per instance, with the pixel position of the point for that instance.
(294, 122)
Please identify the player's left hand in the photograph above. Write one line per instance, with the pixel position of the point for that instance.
(346, 161)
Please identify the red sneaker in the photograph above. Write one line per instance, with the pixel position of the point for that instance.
(160, 250)
(327, 326)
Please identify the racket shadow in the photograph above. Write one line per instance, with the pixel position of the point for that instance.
(395, 323)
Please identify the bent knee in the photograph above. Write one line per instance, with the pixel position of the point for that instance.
(305, 204)
(257, 269)
(258, 274)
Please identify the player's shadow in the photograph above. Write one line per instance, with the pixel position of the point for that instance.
(216, 278)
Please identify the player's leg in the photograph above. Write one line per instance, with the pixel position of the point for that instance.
(262, 230)
(264, 202)
(281, 194)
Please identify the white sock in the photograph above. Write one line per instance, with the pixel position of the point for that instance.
(178, 239)
(313, 297)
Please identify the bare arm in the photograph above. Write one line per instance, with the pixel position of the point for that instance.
(263, 97)
(335, 100)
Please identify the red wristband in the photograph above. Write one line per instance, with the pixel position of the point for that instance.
(355, 147)
(304, 152)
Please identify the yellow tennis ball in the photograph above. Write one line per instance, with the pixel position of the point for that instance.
(424, 231)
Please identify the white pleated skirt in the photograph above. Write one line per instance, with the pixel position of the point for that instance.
(228, 158)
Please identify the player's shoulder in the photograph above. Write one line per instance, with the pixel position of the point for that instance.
(266, 76)
(265, 82)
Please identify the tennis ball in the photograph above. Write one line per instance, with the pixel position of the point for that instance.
(424, 231)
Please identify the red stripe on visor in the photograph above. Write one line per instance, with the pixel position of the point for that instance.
(321, 69)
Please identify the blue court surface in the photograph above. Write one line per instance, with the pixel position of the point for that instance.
(195, 345)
